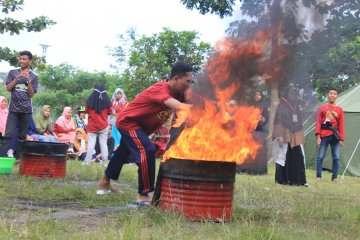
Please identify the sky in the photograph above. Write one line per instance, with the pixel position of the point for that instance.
(86, 28)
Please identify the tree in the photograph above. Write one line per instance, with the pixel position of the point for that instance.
(222, 8)
(13, 26)
(340, 67)
(311, 54)
(65, 85)
(312, 51)
(148, 59)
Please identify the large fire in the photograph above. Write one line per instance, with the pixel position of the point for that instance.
(212, 132)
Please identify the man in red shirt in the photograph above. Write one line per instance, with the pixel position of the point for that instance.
(329, 130)
(146, 113)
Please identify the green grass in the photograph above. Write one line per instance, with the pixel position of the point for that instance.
(262, 209)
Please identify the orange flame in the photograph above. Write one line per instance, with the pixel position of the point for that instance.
(212, 132)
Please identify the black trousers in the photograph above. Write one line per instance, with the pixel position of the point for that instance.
(16, 124)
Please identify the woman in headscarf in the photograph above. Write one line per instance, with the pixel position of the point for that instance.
(258, 165)
(119, 101)
(98, 108)
(3, 114)
(65, 128)
(288, 136)
(44, 125)
(81, 143)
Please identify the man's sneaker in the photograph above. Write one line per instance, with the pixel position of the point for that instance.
(70, 150)
(10, 153)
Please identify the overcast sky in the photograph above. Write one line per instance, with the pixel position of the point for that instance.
(85, 28)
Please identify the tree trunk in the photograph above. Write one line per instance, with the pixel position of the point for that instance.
(274, 101)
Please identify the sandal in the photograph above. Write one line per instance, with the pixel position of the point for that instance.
(145, 203)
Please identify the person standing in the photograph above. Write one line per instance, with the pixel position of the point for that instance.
(258, 165)
(119, 101)
(98, 108)
(329, 130)
(141, 117)
(23, 84)
(288, 140)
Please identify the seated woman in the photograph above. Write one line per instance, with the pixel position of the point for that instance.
(3, 114)
(80, 144)
(41, 129)
(65, 128)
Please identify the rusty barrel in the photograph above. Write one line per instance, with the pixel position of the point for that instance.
(43, 159)
(200, 190)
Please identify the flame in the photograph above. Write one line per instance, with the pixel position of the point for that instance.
(217, 136)
(211, 132)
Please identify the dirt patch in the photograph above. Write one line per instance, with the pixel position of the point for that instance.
(24, 211)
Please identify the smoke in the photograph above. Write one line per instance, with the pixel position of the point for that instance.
(281, 34)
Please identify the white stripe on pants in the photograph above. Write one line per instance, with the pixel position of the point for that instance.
(103, 135)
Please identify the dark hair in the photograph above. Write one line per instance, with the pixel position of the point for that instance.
(180, 69)
(26, 53)
(333, 89)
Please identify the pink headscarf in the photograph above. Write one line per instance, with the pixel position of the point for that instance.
(3, 115)
(65, 123)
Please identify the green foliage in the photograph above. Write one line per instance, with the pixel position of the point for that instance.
(221, 7)
(13, 26)
(340, 68)
(11, 56)
(65, 85)
(145, 60)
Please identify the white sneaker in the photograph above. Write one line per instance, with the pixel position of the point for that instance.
(104, 163)
(85, 163)
(10, 153)
(103, 191)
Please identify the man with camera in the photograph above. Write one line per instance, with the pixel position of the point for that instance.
(329, 130)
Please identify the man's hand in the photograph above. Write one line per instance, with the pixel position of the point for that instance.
(318, 141)
(341, 143)
(25, 73)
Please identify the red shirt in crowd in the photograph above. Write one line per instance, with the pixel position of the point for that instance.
(147, 111)
(97, 121)
(326, 111)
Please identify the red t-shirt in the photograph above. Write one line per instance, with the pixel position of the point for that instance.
(97, 121)
(325, 112)
(147, 111)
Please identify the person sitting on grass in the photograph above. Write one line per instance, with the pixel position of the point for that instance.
(80, 144)
(3, 114)
(44, 130)
(81, 121)
(65, 128)
(141, 117)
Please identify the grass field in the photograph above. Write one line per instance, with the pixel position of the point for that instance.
(33, 208)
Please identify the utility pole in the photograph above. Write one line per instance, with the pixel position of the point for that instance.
(44, 48)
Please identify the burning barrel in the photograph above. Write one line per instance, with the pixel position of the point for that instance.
(200, 190)
(43, 159)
